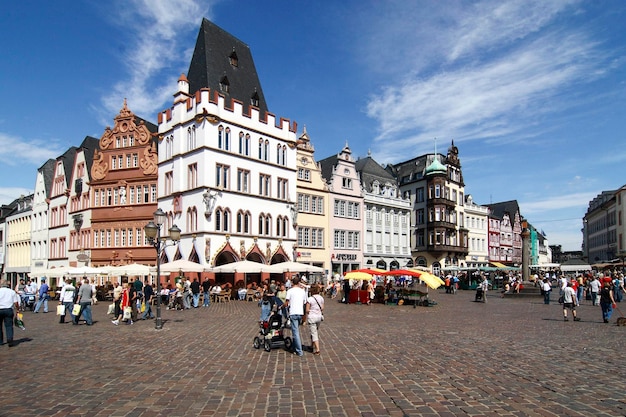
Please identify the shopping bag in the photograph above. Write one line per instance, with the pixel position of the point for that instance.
(127, 313)
(111, 309)
(143, 307)
(76, 310)
(60, 310)
(19, 321)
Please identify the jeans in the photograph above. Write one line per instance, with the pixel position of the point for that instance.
(594, 298)
(186, 297)
(6, 315)
(579, 293)
(85, 311)
(618, 294)
(295, 333)
(206, 297)
(68, 310)
(148, 312)
(196, 300)
(607, 311)
(42, 300)
(546, 297)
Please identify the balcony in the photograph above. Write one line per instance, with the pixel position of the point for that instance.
(441, 202)
(441, 224)
(439, 248)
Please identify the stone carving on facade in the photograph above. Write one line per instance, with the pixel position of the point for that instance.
(99, 168)
(149, 161)
(242, 249)
(207, 249)
(268, 250)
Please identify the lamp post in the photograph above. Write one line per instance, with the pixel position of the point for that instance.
(153, 233)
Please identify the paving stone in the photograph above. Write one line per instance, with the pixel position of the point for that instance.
(508, 357)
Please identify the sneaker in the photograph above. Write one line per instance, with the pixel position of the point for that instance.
(576, 318)
(116, 322)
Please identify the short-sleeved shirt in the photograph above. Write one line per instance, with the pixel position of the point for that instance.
(297, 299)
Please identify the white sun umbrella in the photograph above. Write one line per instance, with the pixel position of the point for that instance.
(131, 269)
(181, 265)
(299, 267)
(87, 270)
(56, 272)
(245, 267)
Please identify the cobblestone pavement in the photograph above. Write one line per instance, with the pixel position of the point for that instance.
(507, 357)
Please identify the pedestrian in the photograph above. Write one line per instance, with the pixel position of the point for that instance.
(315, 316)
(195, 292)
(20, 290)
(67, 299)
(370, 293)
(346, 291)
(117, 302)
(296, 300)
(44, 295)
(148, 295)
(9, 306)
(607, 301)
(186, 291)
(84, 299)
(206, 296)
(595, 285)
(569, 302)
(133, 297)
(546, 288)
(618, 288)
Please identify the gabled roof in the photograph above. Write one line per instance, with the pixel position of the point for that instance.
(327, 166)
(68, 163)
(499, 210)
(47, 171)
(371, 171)
(89, 145)
(220, 58)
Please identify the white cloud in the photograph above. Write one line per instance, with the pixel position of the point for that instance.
(557, 202)
(8, 194)
(156, 28)
(16, 151)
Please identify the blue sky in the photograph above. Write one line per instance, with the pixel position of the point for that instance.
(532, 92)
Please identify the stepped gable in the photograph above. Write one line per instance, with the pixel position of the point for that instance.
(224, 64)
(371, 171)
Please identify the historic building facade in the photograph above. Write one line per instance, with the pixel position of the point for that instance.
(39, 222)
(386, 243)
(509, 246)
(313, 245)
(604, 227)
(227, 167)
(345, 205)
(434, 184)
(477, 223)
(123, 188)
(18, 238)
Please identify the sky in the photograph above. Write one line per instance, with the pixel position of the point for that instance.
(531, 92)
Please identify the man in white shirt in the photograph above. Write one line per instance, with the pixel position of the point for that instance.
(9, 304)
(595, 288)
(569, 301)
(296, 301)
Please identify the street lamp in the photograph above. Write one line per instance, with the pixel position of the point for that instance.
(153, 233)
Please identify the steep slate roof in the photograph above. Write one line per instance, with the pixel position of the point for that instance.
(327, 166)
(47, 171)
(211, 62)
(507, 207)
(371, 171)
(68, 163)
(89, 145)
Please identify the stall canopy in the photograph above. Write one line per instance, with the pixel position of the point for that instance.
(358, 275)
(429, 279)
(574, 268)
(291, 266)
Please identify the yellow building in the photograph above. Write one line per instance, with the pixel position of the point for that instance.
(313, 244)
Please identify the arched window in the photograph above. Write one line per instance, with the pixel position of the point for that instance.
(227, 139)
(261, 148)
(220, 136)
(266, 150)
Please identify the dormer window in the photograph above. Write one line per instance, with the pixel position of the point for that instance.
(224, 84)
(254, 100)
(232, 58)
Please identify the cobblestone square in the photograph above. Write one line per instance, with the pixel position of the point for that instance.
(506, 357)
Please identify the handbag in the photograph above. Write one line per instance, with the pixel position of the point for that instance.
(318, 304)
(60, 310)
(127, 313)
(76, 310)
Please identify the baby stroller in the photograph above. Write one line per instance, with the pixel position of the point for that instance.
(271, 334)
